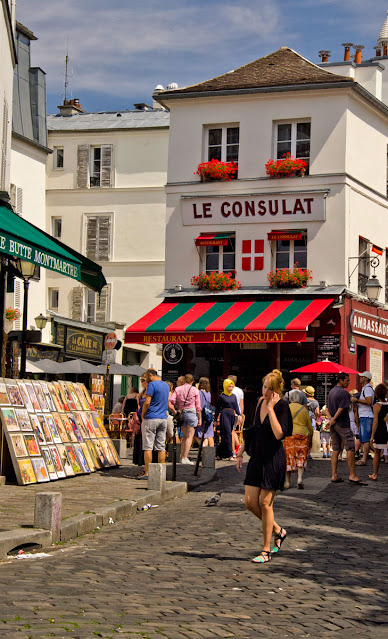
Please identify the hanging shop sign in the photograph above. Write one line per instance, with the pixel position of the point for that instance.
(369, 325)
(172, 353)
(250, 209)
(84, 344)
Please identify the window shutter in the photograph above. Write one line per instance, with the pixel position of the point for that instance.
(91, 237)
(19, 201)
(102, 308)
(4, 145)
(12, 196)
(82, 166)
(76, 303)
(17, 303)
(103, 247)
(106, 165)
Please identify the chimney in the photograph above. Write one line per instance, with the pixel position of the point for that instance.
(385, 47)
(357, 57)
(378, 51)
(347, 46)
(70, 107)
(324, 55)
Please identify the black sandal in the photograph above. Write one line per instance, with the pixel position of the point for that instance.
(263, 558)
(280, 538)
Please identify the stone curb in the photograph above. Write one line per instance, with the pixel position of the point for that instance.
(21, 537)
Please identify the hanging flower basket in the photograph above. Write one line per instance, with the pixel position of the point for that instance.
(215, 282)
(288, 166)
(216, 170)
(285, 278)
(12, 314)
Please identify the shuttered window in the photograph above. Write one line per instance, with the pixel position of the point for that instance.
(76, 303)
(98, 237)
(103, 305)
(94, 166)
(17, 303)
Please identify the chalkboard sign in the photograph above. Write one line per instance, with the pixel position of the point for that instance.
(328, 347)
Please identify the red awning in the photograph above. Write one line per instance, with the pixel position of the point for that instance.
(285, 235)
(282, 320)
(213, 239)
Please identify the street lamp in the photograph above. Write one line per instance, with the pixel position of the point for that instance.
(40, 321)
(27, 270)
(372, 286)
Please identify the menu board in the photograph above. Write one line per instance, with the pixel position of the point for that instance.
(98, 398)
(53, 430)
(328, 347)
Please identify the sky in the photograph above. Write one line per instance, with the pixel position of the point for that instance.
(120, 50)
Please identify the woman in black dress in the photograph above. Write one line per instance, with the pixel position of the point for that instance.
(379, 437)
(227, 408)
(267, 465)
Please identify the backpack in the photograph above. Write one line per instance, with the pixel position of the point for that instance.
(208, 411)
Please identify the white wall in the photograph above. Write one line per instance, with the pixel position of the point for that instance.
(6, 84)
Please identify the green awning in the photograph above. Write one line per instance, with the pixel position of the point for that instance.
(21, 239)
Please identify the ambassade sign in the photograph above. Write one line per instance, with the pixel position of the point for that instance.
(369, 325)
(255, 208)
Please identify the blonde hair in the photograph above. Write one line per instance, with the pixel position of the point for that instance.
(275, 381)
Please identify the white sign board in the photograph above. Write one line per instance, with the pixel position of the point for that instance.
(254, 209)
(109, 356)
(376, 366)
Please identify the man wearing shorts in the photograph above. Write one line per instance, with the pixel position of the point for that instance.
(154, 419)
(365, 414)
(338, 404)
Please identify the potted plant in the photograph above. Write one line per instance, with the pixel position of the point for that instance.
(11, 314)
(215, 281)
(288, 166)
(216, 170)
(285, 278)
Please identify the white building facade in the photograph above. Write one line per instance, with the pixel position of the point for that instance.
(8, 60)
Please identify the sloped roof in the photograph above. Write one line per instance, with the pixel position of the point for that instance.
(383, 37)
(152, 119)
(284, 67)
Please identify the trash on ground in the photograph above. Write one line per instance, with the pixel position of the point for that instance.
(300, 550)
(111, 520)
(29, 555)
(145, 507)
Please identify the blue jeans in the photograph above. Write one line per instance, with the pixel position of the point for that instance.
(365, 425)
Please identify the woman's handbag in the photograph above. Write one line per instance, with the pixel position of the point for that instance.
(179, 415)
(134, 424)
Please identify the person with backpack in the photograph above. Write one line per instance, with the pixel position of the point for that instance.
(207, 414)
(365, 414)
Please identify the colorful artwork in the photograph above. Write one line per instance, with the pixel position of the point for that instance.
(33, 397)
(88, 456)
(69, 429)
(74, 427)
(100, 453)
(108, 452)
(49, 462)
(37, 428)
(25, 396)
(47, 396)
(75, 464)
(67, 467)
(40, 470)
(18, 445)
(88, 399)
(57, 462)
(81, 426)
(67, 394)
(4, 399)
(61, 396)
(14, 395)
(60, 428)
(115, 456)
(88, 424)
(32, 445)
(55, 397)
(53, 429)
(10, 419)
(96, 425)
(23, 419)
(26, 471)
(44, 426)
(41, 398)
(81, 396)
(74, 396)
(82, 458)
(93, 453)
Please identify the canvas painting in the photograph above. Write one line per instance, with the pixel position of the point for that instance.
(67, 467)
(82, 458)
(25, 396)
(14, 395)
(18, 445)
(10, 419)
(108, 452)
(68, 427)
(81, 396)
(53, 429)
(40, 470)
(76, 466)
(33, 397)
(45, 427)
(32, 445)
(85, 391)
(55, 397)
(100, 452)
(96, 425)
(80, 425)
(110, 445)
(26, 471)
(57, 462)
(88, 456)
(60, 428)
(23, 419)
(47, 396)
(37, 428)
(67, 394)
(4, 399)
(41, 398)
(74, 396)
(74, 427)
(88, 424)
(61, 396)
(93, 453)
(49, 462)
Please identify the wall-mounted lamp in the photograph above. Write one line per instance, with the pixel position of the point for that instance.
(40, 321)
(372, 286)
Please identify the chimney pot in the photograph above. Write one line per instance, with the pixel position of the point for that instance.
(357, 57)
(347, 46)
(324, 55)
(378, 51)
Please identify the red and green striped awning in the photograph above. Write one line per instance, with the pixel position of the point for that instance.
(213, 239)
(282, 320)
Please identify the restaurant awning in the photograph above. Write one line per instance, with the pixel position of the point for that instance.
(22, 240)
(282, 320)
(213, 239)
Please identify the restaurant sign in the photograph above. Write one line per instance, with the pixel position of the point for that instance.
(255, 208)
(369, 325)
(211, 337)
(83, 343)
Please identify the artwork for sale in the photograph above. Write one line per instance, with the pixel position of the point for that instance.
(74, 427)
(68, 427)
(67, 394)
(32, 445)
(60, 428)
(40, 470)
(37, 428)
(94, 455)
(18, 445)
(110, 445)
(33, 397)
(96, 424)
(76, 466)
(100, 453)
(88, 424)
(74, 396)
(14, 394)
(80, 425)
(57, 462)
(26, 471)
(49, 462)
(47, 396)
(45, 427)
(107, 452)
(55, 397)
(81, 396)
(88, 456)
(23, 419)
(41, 398)
(82, 458)
(67, 467)
(53, 429)
(61, 396)
(85, 392)
(25, 396)
(10, 419)
(97, 419)
(4, 399)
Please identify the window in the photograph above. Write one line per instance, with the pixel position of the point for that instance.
(53, 295)
(56, 227)
(291, 252)
(294, 138)
(95, 166)
(221, 258)
(4, 147)
(98, 237)
(363, 265)
(58, 157)
(90, 305)
(87, 306)
(223, 143)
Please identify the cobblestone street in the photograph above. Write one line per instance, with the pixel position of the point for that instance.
(183, 570)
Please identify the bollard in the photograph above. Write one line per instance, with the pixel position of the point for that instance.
(2, 480)
(209, 457)
(48, 513)
(121, 447)
(157, 477)
(316, 443)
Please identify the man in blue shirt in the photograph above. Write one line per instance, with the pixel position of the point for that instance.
(154, 419)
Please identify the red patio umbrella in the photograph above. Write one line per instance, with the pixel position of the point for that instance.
(326, 367)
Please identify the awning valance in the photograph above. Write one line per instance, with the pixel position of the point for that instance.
(282, 320)
(213, 239)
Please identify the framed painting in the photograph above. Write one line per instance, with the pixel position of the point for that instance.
(14, 393)
(75, 463)
(10, 420)
(61, 396)
(40, 469)
(26, 472)
(96, 425)
(32, 445)
(4, 399)
(23, 419)
(69, 429)
(88, 457)
(41, 398)
(108, 452)
(81, 426)
(85, 392)
(93, 453)
(50, 421)
(45, 427)
(57, 462)
(82, 458)
(33, 397)
(47, 396)
(100, 452)
(25, 396)
(88, 424)
(66, 465)
(37, 428)
(55, 397)
(49, 462)
(81, 396)
(67, 394)
(18, 444)
(115, 456)
(75, 428)
(60, 428)
(74, 396)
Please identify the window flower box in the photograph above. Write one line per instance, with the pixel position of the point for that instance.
(215, 281)
(288, 166)
(285, 278)
(217, 171)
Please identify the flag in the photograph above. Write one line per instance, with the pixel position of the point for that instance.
(377, 249)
